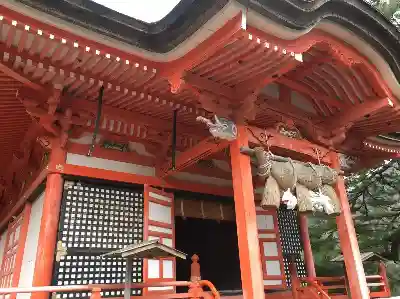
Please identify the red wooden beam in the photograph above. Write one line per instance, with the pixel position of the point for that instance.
(134, 117)
(256, 84)
(305, 90)
(351, 114)
(285, 111)
(308, 67)
(112, 85)
(211, 86)
(191, 156)
(340, 51)
(83, 171)
(90, 107)
(276, 140)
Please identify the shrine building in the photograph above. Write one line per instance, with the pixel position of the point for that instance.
(183, 158)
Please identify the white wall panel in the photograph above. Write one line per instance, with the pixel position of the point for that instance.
(168, 269)
(3, 237)
(159, 213)
(28, 260)
(153, 268)
(100, 163)
(270, 248)
(273, 268)
(265, 221)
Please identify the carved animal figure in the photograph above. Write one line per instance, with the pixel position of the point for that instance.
(221, 127)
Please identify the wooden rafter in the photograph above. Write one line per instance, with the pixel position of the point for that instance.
(200, 151)
(305, 90)
(256, 84)
(205, 49)
(308, 67)
(111, 84)
(352, 114)
(209, 85)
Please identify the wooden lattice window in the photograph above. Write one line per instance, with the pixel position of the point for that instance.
(289, 230)
(14, 250)
(97, 218)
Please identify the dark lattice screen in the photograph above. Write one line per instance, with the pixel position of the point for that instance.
(291, 242)
(96, 219)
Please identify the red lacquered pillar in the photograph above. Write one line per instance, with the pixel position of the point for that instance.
(305, 238)
(49, 222)
(348, 241)
(249, 249)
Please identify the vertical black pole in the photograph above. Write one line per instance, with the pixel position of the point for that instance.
(174, 139)
(98, 119)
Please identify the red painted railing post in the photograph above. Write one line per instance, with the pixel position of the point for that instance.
(195, 289)
(195, 269)
(96, 293)
(305, 238)
(383, 274)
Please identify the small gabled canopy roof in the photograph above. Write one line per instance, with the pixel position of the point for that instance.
(365, 257)
(147, 250)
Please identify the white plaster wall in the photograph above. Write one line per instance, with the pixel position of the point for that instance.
(28, 260)
(100, 163)
(3, 237)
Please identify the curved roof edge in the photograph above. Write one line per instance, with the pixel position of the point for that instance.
(189, 15)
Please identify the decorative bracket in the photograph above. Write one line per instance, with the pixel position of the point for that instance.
(221, 127)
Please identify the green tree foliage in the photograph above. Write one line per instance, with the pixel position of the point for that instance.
(374, 200)
(389, 8)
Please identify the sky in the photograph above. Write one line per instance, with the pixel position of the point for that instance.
(145, 10)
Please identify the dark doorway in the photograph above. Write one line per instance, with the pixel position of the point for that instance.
(217, 246)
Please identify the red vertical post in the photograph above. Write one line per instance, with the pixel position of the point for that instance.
(249, 249)
(383, 274)
(305, 238)
(49, 221)
(195, 269)
(348, 241)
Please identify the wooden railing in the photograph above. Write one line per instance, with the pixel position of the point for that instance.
(195, 287)
(328, 287)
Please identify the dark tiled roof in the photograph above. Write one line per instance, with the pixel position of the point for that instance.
(190, 15)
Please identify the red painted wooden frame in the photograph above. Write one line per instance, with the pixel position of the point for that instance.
(147, 233)
(279, 257)
(14, 250)
(83, 171)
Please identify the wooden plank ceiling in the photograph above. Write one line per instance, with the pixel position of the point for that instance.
(14, 120)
